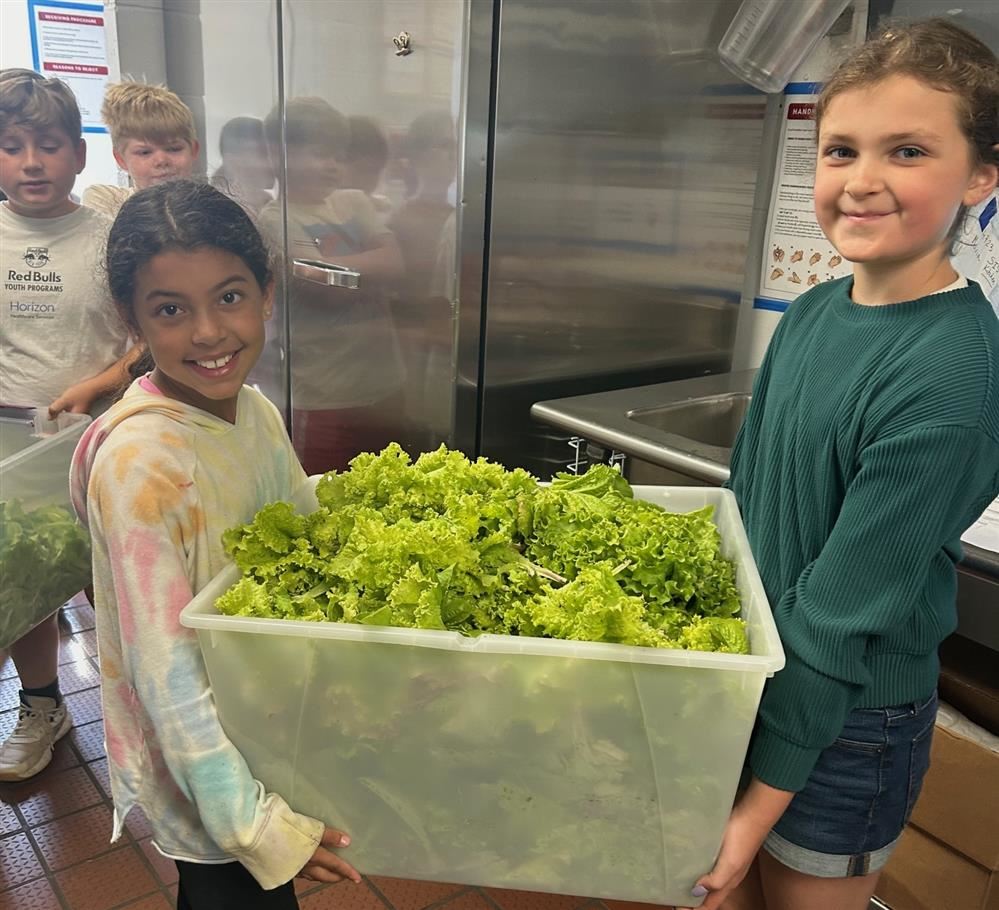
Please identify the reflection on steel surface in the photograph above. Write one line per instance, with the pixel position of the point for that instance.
(625, 169)
(325, 273)
(606, 193)
(688, 426)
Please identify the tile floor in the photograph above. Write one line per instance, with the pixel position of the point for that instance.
(54, 829)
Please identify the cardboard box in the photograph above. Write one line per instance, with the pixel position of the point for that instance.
(959, 805)
(924, 874)
(949, 856)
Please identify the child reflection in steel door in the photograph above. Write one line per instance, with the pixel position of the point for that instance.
(346, 367)
(871, 444)
(157, 479)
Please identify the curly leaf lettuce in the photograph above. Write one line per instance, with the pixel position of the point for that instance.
(600, 480)
(449, 543)
(591, 607)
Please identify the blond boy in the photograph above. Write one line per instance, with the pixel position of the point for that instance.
(153, 138)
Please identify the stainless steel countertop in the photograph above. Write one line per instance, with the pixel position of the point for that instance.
(603, 418)
(984, 561)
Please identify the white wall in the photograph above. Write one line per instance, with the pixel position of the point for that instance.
(15, 51)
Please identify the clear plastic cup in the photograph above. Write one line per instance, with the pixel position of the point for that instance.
(768, 39)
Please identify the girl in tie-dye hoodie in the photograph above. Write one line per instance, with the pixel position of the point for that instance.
(187, 452)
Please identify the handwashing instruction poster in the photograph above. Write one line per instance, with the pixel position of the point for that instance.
(797, 255)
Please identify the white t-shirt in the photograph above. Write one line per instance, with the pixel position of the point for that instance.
(106, 198)
(57, 323)
(961, 282)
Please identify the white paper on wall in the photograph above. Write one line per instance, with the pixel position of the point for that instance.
(977, 252)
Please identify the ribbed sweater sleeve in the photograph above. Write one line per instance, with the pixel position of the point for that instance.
(911, 492)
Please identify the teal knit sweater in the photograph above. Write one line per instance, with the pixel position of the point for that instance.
(871, 444)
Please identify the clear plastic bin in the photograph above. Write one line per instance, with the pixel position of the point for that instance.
(590, 769)
(44, 551)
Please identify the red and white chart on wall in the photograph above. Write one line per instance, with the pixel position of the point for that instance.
(69, 42)
(797, 255)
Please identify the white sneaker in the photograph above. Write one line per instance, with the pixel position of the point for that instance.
(28, 749)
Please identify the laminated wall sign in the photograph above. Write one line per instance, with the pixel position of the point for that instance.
(68, 42)
(797, 255)
(976, 254)
(793, 232)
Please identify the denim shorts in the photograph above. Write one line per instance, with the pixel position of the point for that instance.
(850, 815)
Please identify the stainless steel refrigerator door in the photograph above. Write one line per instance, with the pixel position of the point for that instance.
(226, 68)
(367, 134)
(625, 167)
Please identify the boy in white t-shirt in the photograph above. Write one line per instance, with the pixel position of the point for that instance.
(153, 138)
(62, 345)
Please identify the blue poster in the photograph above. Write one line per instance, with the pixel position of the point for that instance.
(69, 42)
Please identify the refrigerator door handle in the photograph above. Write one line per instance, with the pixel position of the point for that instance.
(326, 273)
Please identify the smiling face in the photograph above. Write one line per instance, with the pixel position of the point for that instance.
(893, 172)
(201, 313)
(150, 162)
(38, 169)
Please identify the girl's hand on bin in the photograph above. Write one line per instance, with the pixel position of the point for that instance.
(755, 813)
(325, 865)
(742, 842)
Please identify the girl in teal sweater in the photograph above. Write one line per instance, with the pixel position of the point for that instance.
(872, 443)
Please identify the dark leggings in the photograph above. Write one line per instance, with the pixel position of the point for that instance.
(228, 886)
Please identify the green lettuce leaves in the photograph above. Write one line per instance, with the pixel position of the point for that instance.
(449, 543)
(44, 560)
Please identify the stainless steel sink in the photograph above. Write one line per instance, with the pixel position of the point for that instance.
(685, 427)
(713, 421)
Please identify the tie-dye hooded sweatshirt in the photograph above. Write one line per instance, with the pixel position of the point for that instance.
(157, 482)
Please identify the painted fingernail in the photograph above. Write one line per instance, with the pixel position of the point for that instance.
(698, 891)
(345, 841)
